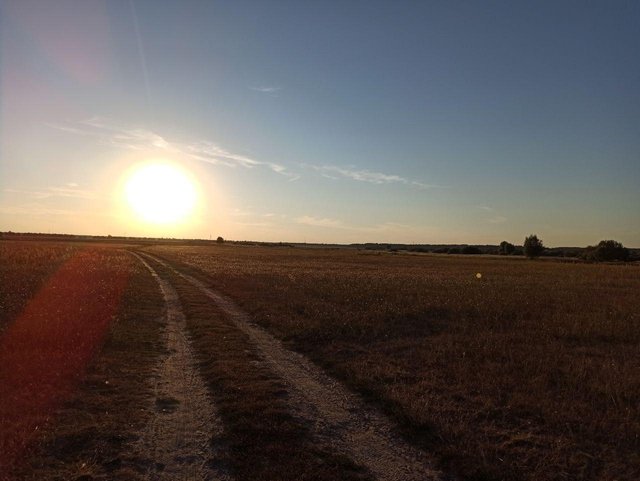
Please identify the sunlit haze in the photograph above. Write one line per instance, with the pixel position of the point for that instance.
(160, 194)
(333, 122)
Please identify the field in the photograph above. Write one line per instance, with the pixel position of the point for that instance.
(68, 326)
(530, 372)
(492, 368)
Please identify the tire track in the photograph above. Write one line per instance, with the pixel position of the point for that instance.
(338, 418)
(177, 441)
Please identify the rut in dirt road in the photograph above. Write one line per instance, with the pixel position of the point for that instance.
(337, 417)
(176, 443)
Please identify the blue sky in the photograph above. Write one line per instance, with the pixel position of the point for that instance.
(417, 122)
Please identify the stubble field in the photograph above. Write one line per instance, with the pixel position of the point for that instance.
(529, 371)
(74, 357)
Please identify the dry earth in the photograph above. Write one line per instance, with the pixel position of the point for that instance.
(175, 444)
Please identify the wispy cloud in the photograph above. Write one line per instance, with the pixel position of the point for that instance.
(34, 210)
(385, 227)
(254, 224)
(210, 152)
(319, 222)
(110, 133)
(69, 190)
(247, 217)
(486, 208)
(240, 213)
(265, 89)
(496, 219)
(363, 175)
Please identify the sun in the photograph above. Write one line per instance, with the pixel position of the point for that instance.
(160, 193)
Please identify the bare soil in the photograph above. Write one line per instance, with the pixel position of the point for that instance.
(178, 441)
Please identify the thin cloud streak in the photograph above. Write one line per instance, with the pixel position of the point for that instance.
(338, 224)
(486, 208)
(363, 175)
(138, 139)
(320, 222)
(265, 89)
(34, 210)
(68, 191)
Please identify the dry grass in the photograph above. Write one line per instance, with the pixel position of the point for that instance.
(531, 372)
(74, 358)
(24, 266)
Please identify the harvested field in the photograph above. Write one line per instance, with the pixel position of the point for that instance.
(46, 349)
(335, 419)
(407, 366)
(75, 359)
(24, 267)
(530, 372)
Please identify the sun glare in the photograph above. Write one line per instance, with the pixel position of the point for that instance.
(160, 193)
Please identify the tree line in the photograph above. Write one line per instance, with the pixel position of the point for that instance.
(605, 250)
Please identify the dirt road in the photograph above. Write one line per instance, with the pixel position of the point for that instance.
(337, 417)
(176, 443)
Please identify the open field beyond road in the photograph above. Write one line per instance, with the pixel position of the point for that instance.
(110, 369)
(529, 372)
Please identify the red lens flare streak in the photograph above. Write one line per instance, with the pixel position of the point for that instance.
(46, 350)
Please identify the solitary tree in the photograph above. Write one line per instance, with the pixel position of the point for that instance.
(506, 248)
(220, 240)
(533, 246)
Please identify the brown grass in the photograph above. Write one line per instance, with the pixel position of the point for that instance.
(531, 372)
(24, 267)
(74, 360)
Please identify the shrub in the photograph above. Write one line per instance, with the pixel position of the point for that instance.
(607, 250)
(220, 240)
(453, 250)
(506, 248)
(471, 250)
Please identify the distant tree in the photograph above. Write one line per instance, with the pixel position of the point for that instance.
(607, 250)
(506, 248)
(471, 250)
(533, 246)
(220, 240)
(453, 250)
